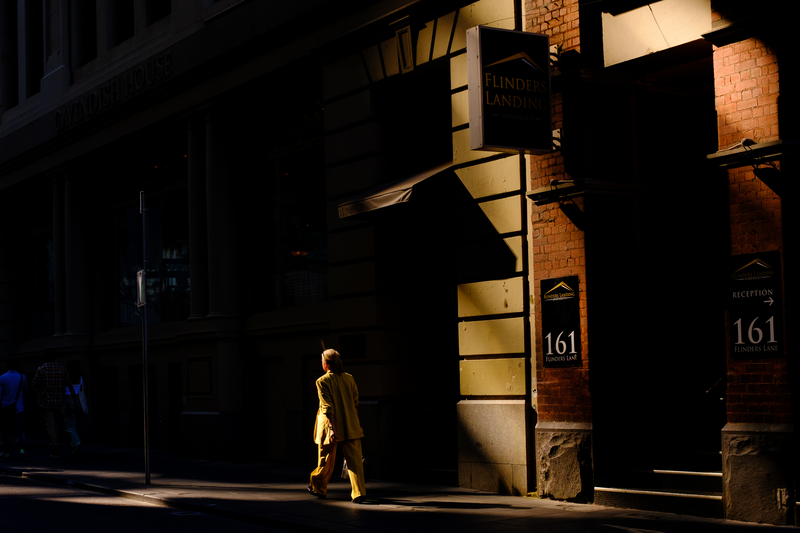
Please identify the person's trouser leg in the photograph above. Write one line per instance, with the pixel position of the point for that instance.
(19, 422)
(49, 419)
(68, 412)
(322, 474)
(355, 466)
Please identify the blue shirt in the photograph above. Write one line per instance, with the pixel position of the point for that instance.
(9, 383)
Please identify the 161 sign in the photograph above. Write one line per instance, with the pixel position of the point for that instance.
(561, 322)
(756, 306)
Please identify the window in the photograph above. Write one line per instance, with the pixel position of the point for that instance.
(120, 21)
(156, 10)
(167, 242)
(301, 254)
(286, 251)
(35, 289)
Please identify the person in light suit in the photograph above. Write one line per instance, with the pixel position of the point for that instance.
(337, 423)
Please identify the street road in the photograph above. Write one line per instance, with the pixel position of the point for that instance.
(27, 505)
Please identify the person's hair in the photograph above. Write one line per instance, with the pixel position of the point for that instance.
(13, 364)
(333, 359)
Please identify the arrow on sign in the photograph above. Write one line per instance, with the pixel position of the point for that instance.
(770, 301)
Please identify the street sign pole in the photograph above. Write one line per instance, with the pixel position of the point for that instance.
(143, 304)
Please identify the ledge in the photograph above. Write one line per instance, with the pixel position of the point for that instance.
(564, 190)
(753, 154)
(564, 426)
(757, 428)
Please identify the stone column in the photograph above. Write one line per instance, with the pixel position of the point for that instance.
(223, 293)
(59, 282)
(75, 261)
(198, 234)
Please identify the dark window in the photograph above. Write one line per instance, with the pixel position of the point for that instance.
(83, 32)
(9, 90)
(156, 10)
(167, 255)
(34, 46)
(286, 205)
(120, 21)
(302, 253)
(35, 290)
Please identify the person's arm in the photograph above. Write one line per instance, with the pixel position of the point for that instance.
(326, 405)
(355, 395)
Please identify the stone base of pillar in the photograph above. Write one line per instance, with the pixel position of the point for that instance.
(757, 470)
(564, 461)
(493, 446)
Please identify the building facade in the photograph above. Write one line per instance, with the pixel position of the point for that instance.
(309, 181)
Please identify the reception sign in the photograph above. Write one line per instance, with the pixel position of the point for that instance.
(756, 306)
(509, 90)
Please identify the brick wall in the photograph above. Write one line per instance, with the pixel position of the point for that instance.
(558, 19)
(557, 245)
(746, 89)
(746, 80)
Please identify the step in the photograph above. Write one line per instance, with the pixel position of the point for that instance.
(701, 504)
(696, 493)
(685, 481)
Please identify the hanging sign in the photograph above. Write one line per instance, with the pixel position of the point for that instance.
(509, 91)
(561, 322)
(141, 289)
(756, 306)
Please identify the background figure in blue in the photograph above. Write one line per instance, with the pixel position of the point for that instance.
(72, 405)
(13, 387)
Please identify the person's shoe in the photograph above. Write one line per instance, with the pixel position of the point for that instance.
(21, 453)
(74, 450)
(311, 491)
(358, 499)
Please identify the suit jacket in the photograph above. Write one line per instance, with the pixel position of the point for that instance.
(338, 400)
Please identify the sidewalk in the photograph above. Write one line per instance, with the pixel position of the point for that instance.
(275, 496)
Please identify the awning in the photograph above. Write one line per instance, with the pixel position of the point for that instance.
(388, 194)
(437, 206)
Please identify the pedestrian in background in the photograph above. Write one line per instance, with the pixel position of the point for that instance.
(49, 382)
(73, 405)
(13, 387)
(337, 423)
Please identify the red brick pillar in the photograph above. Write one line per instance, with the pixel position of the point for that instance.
(756, 442)
(562, 396)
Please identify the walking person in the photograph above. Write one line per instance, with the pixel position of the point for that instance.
(72, 403)
(49, 382)
(337, 423)
(13, 387)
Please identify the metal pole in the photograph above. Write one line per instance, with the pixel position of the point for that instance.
(144, 343)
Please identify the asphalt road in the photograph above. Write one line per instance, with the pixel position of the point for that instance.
(28, 505)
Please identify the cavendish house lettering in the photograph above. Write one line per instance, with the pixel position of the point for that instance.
(115, 91)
